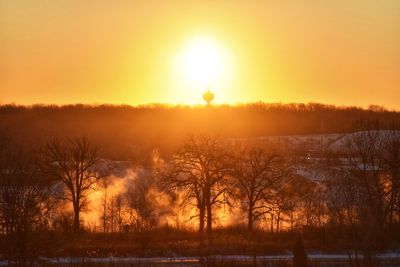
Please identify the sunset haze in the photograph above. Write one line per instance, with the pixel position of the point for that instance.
(125, 52)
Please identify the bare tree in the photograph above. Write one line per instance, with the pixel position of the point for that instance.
(139, 199)
(256, 172)
(179, 178)
(202, 170)
(75, 164)
(364, 157)
(372, 172)
(112, 217)
(390, 164)
(104, 204)
(24, 203)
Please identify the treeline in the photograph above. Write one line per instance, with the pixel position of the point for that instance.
(125, 132)
(355, 203)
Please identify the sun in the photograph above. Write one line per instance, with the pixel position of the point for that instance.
(203, 62)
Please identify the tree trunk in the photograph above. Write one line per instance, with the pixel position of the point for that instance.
(201, 223)
(278, 222)
(209, 224)
(105, 212)
(209, 221)
(76, 217)
(272, 223)
(250, 221)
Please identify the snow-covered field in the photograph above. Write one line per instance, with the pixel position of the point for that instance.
(193, 261)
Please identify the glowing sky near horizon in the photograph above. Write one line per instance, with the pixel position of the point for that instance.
(338, 52)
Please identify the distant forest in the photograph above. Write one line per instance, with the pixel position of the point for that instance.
(125, 132)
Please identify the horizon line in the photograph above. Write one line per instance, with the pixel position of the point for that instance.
(375, 107)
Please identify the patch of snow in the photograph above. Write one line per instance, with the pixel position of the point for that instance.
(311, 256)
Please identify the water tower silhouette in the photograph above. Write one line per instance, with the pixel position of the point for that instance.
(208, 97)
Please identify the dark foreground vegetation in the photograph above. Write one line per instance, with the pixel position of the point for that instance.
(209, 262)
(64, 195)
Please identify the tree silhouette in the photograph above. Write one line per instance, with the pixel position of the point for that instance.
(75, 165)
(256, 172)
(201, 169)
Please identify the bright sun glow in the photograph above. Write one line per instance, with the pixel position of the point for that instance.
(199, 64)
(203, 63)
(203, 60)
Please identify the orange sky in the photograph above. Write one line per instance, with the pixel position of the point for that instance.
(344, 52)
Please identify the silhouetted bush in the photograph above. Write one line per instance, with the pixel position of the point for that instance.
(299, 254)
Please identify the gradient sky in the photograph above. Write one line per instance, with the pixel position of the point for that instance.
(344, 52)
